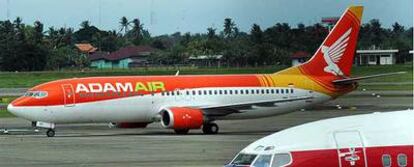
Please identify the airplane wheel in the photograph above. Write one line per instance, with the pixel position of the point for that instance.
(211, 128)
(181, 131)
(50, 133)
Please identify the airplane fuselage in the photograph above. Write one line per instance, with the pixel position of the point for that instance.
(140, 99)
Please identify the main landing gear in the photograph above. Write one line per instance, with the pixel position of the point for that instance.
(210, 128)
(50, 133)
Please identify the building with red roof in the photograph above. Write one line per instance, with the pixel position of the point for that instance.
(299, 57)
(131, 56)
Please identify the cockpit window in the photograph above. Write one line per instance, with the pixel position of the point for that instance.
(244, 159)
(282, 159)
(262, 161)
(36, 94)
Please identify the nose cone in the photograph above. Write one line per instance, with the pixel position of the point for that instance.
(16, 107)
(11, 109)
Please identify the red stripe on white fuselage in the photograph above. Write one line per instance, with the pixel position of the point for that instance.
(373, 157)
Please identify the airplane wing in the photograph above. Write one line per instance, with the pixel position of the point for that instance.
(353, 80)
(222, 110)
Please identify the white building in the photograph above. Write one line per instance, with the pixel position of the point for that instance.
(376, 57)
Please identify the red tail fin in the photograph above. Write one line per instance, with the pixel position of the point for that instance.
(335, 56)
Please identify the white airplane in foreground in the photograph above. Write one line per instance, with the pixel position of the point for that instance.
(187, 102)
(368, 140)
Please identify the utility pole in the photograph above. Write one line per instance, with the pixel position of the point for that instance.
(100, 13)
(8, 9)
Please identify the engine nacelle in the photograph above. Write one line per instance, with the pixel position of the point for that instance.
(181, 118)
(128, 125)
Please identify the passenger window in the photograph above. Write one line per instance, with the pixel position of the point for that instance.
(277, 91)
(241, 92)
(225, 92)
(194, 92)
(263, 91)
(172, 93)
(257, 91)
(282, 159)
(199, 92)
(220, 92)
(230, 91)
(252, 91)
(236, 92)
(188, 93)
(287, 90)
(272, 91)
(386, 160)
(291, 90)
(402, 160)
(267, 91)
(247, 91)
(205, 92)
(210, 92)
(168, 93)
(281, 91)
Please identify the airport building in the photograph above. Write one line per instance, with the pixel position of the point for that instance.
(206, 60)
(376, 57)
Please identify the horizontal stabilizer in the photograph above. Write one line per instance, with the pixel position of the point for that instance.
(353, 80)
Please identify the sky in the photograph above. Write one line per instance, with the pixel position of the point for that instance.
(195, 16)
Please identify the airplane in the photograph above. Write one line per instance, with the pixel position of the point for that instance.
(377, 139)
(184, 102)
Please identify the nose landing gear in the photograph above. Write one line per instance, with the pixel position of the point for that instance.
(49, 126)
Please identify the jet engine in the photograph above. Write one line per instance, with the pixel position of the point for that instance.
(181, 118)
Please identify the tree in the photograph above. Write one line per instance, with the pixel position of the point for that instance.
(211, 33)
(124, 24)
(256, 34)
(38, 32)
(229, 26)
(85, 24)
(136, 32)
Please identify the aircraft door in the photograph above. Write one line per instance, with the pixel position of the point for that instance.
(68, 95)
(350, 148)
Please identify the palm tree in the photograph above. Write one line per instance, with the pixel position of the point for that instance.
(137, 27)
(211, 33)
(85, 24)
(228, 27)
(124, 24)
(136, 31)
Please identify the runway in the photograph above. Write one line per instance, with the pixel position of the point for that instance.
(98, 145)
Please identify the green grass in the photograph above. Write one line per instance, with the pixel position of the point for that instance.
(370, 70)
(405, 87)
(4, 113)
(30, 79)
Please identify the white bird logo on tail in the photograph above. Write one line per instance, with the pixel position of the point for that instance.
(334, 53)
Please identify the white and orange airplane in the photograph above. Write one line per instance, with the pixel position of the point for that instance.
(194, 101)
(377, 139)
